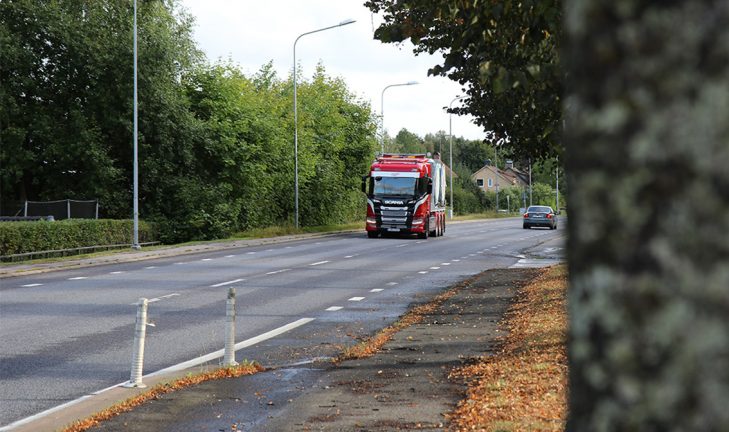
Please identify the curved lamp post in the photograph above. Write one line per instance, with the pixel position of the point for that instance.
(296, 122)
(382, 111)
(450, 134)
(135, 216)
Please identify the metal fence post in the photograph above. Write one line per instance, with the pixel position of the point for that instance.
(68, 208)
(229, 356)
(25, 213)
(140, 332)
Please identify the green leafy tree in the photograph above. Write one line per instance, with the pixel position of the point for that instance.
(408, 142)
(504, 53)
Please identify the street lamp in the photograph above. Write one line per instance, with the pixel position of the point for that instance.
(135, 216)
(382, 111)
(296, 122)
(450, 134)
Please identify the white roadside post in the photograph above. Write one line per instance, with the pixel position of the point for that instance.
(229, 356)
(140, 332)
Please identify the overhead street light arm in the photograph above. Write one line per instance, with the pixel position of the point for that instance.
(382, 110)
(296, 120)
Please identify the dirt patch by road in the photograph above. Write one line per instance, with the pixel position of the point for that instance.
(405, 385)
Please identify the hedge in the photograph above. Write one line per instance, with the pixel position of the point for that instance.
(24, 237)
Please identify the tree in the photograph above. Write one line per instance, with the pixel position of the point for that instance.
(408, 142)
(504, 53)
(647, 146)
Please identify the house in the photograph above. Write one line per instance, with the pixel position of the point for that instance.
(490, 177)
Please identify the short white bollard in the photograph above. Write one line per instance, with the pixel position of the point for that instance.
(140, 333)
(229, 355)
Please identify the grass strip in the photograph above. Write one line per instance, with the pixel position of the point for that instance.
(246, 368)
(524, 386)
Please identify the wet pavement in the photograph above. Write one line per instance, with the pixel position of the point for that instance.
(404, 386)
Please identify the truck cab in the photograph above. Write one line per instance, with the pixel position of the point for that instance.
(405, 194)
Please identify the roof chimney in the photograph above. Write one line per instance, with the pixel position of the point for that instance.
(509, 164)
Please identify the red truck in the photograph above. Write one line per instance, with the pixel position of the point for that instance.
(405, 194)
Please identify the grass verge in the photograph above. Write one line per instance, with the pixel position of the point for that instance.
(242, 369)
(524, 386)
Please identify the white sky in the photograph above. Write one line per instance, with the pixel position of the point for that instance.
(251, 33)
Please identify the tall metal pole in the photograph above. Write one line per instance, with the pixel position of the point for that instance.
(382, 112)
(530, 181)
(296, 122)
(496, 165)
(135, 234)
(450, 133)
(556, 172)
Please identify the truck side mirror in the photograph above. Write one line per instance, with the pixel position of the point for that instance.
(364, 183)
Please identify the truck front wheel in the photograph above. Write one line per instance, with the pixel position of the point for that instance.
(426, 231)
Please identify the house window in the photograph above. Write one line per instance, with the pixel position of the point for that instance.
(491, 183)
(479, 182)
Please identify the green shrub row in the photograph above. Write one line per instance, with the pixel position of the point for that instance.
(24, 237)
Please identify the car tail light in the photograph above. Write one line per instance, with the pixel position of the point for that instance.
(549, 216)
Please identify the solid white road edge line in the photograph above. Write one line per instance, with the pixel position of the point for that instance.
(178, 367)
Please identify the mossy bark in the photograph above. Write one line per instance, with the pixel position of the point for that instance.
(647, 139)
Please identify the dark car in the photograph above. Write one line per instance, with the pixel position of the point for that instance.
(542, 216)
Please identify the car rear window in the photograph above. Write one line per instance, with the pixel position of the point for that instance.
(537, 209)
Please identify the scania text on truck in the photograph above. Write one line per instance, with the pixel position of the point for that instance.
(406, 193)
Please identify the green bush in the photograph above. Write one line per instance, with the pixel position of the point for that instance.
(24, 237)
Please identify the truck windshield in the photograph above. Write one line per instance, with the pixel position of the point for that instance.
(394, 186)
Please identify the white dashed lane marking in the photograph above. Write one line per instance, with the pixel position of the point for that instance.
(32, 285)
(229, 256)
(376, 290)
(392, 283)
(206, 259)
(277, 271)
(318, 263)
(150, 267)
(226, 283)
(78, 278)
(423, 272)
(435, 268)
(116, 272)
(333, 308)
(356, 299)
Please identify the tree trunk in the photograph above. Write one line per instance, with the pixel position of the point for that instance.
(647, 139)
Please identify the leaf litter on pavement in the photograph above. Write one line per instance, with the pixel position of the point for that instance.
(523, 387)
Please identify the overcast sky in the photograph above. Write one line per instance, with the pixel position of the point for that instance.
(251, 33)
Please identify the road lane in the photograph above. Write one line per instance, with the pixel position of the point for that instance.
(66, 334)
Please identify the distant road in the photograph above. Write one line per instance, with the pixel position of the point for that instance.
(67, 334)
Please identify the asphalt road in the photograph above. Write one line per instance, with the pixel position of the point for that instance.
(67, 334)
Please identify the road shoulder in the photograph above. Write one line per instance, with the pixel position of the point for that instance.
(403, 386)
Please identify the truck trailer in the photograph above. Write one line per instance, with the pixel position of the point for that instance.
(406, 194)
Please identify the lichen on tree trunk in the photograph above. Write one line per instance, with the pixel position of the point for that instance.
(647, 146)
